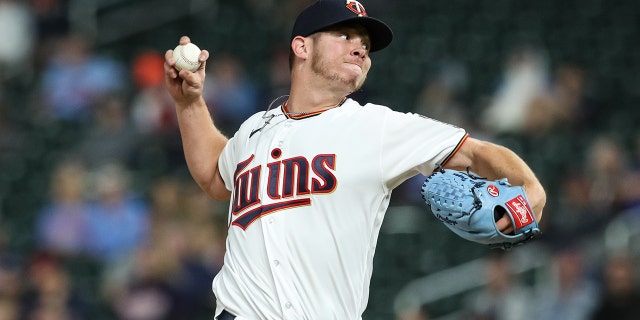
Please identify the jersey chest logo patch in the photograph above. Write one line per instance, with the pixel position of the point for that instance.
(289, 183)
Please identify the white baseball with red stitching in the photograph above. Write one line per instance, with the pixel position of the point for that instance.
(187, 57)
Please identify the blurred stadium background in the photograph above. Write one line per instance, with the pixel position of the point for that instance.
(100, 220)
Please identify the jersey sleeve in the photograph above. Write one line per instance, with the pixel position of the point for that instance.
(413, 144)
(225, 162)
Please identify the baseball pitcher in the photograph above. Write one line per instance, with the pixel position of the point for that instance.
(309, 179)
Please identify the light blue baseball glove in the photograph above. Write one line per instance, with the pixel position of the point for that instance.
(470, 206)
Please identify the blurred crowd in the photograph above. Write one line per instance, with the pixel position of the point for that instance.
(591, 173)
(117, 229)
(99, 218)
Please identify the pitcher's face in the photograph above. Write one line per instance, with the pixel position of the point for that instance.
(341, 54)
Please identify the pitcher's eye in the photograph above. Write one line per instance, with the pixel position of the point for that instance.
(344, 36)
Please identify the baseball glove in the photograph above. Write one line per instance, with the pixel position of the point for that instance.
(470, 206)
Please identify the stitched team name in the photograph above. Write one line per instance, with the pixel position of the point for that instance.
(287, 180)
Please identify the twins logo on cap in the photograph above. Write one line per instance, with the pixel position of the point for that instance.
(357, 8)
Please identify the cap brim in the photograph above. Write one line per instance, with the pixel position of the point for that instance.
(379, 32)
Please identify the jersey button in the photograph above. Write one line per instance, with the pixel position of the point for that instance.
(276, 262)
(288, 305)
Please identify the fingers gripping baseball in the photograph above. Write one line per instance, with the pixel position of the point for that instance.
(184, 85)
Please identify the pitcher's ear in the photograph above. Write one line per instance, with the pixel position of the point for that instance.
(299, 47)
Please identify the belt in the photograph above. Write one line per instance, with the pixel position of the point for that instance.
(225, 315)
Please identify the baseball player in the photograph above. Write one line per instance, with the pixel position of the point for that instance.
(309, 179)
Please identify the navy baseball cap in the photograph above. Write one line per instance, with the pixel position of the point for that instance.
(327, 13)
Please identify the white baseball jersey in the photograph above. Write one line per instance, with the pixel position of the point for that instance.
(309, 197)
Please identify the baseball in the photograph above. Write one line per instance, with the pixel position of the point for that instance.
(186, 57)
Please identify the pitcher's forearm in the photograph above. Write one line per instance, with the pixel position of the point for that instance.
(202, 142)
(496, 162)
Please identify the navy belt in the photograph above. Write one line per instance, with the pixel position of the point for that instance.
(225, 315)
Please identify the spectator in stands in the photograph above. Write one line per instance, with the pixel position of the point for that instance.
(620, 297)
(150, 287)
(152, 109)
(61, 225)
(51, 22)
(144, 271)
(566, 105)
(441, 94)
(110, 136)
(203, 254)
(503, 297)
(17, 38)
(11, 277)
(523, 84)
(569, 293)
(594, 190)
(229, 92)
(606, 168)
(576, 216)
(118, 218)
(154, 117)
(75, 78)
(183, 254)
(50, 293)
(165, 200)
